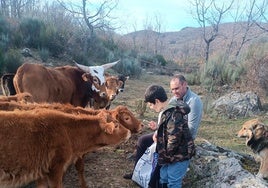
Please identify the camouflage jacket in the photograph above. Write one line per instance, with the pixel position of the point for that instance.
(174, 140)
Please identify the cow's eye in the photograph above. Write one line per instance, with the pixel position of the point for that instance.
(116, 125)
(95, 80)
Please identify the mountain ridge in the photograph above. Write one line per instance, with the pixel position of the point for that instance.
(189, 42)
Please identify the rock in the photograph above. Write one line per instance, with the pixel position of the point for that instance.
(26, 52)
(236, 104)
(219, 167)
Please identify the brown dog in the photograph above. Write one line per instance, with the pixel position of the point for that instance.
(256, 134)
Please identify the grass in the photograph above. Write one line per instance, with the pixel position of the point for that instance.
(222, 132)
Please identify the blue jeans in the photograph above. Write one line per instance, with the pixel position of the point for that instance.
(172, 174)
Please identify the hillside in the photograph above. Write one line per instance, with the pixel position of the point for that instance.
(189, 43)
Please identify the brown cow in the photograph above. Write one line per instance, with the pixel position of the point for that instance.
(64, 84)
(39, 145)
(7, 85)
(114, 85)
(121, 113)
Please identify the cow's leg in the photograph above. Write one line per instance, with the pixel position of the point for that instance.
(79, 165)
(55, 177)
(59, 164)
(42, 183)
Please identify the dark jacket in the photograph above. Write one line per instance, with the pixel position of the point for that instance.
(174, 140)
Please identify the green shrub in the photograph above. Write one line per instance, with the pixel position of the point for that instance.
(193, 79)
(4, 34)
(52, 40)
(129, 67)
(80, 58)
(44, 54)
(12, 60)
(2, 62)
(219, 72)
(17, 39)
(31, 29)
(161, 60)
(255, 61)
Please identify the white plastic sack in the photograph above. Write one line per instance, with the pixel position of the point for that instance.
(143, 169)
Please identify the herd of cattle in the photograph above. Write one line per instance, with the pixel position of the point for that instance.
(46, 127)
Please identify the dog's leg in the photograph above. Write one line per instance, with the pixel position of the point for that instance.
(263, 170)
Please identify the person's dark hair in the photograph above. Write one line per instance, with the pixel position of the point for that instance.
(155, 92)
(180, 77)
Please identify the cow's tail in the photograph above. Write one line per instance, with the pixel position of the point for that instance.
(7, 85)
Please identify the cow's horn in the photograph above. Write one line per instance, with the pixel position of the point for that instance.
(83, 67)
(109, 65)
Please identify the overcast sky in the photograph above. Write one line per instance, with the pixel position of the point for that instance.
(174, 14)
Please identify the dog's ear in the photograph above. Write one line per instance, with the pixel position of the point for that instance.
(260, 131)
(250, 137)
(254, 126)
(251, 133)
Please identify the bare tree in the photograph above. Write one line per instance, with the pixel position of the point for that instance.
(251, 13)
(4, 8)
(210, 13)
(148, 35)
(134, 35)
(95, 16)
(263, 15)
(157, 29)
(235, 31)
(17, 8)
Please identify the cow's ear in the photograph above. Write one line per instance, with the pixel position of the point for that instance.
(120, 83)
(87, 77)
(106, 74)
(109, 128)
(106, 126)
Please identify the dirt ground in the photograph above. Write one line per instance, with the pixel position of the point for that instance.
(106, 167)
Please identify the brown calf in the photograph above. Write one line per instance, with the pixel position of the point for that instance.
(121, 113)
(39, 145)
(114, 85)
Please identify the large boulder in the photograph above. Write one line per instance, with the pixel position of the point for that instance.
(215, 167)
(237, 104)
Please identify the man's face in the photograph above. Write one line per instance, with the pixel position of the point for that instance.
(178, 89)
